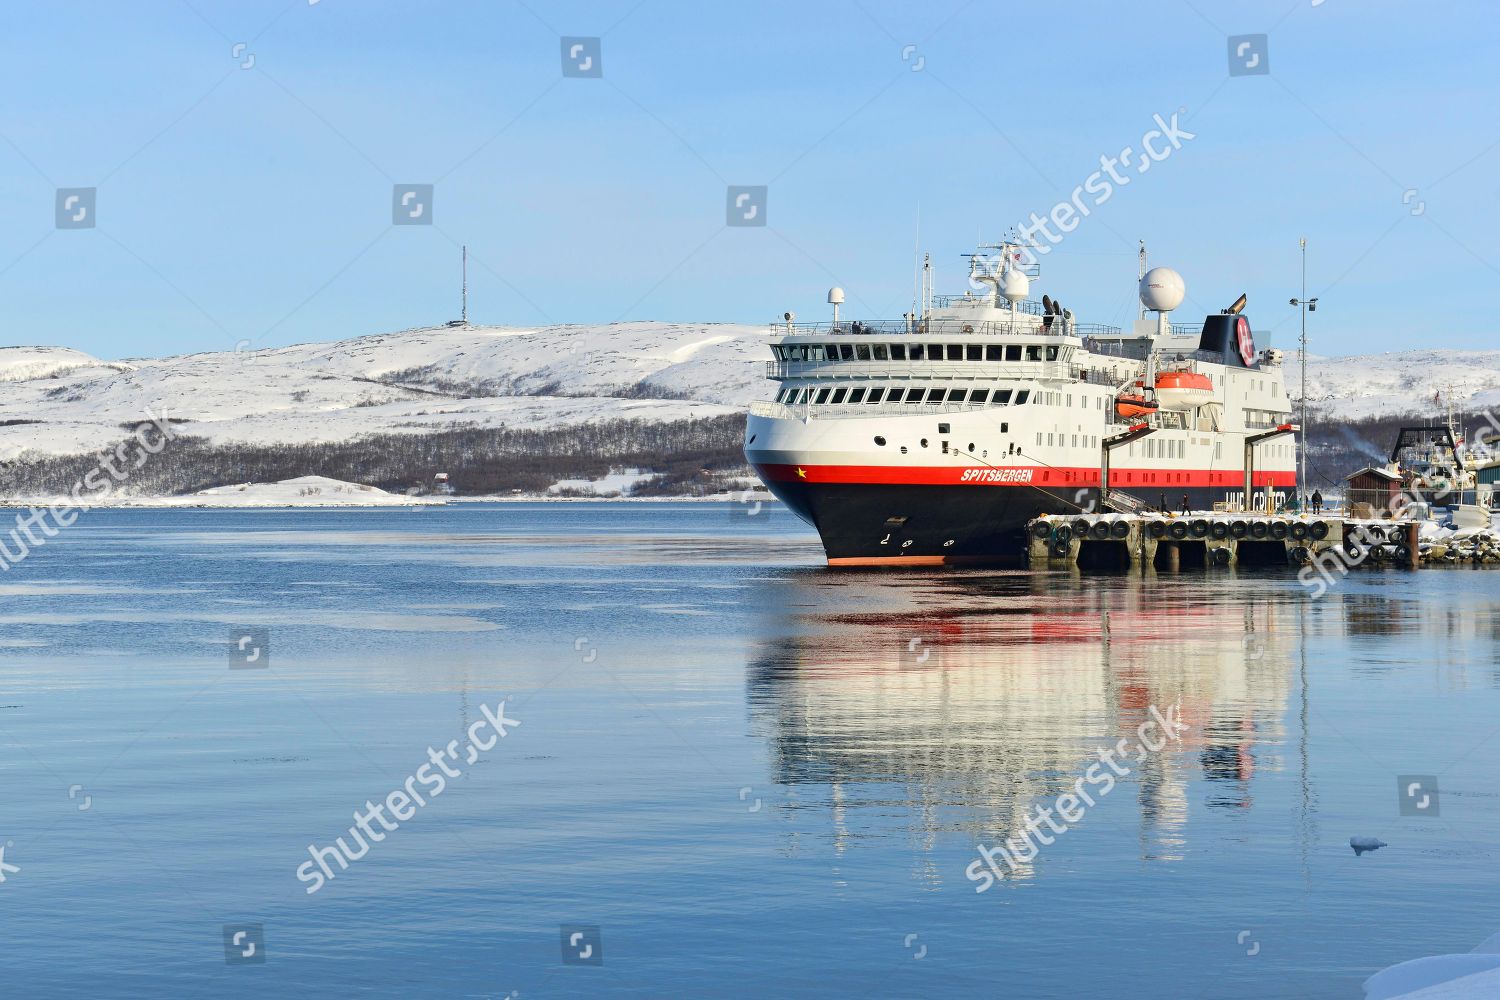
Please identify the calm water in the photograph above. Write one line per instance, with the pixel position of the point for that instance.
(754, 776)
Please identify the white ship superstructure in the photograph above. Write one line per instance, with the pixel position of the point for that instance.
(935, 438)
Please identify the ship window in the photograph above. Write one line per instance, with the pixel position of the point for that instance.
(979, 397)
(955, 352)
(880, 352)
(785, 395)
(846, 352)
(898, 352)
(822, 396)
(974, 352)
(862, 352)
(1013, 352)
(838, 396)
(915, 354)
(1021, 395)
(815, 352)
(802, 395)
(1038, 438)
(914, 395)
(875, 394)
(924, 442)
(857, 395)
(993, 352)
(1002, 397)
(1070, 399)
(1005, 429)
(1075, 440)
(934, 352)
(935, 395)
(1049, 440)
(1033, 353)
(894, 396)
(1052, 353)
(957, 395)
(880, 440)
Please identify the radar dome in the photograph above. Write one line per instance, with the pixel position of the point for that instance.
(1015, 286)
(835, 296)
(1162, 289)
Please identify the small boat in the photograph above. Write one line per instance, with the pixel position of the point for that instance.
(1184, 390)
(1468, 515)
(1132, 405)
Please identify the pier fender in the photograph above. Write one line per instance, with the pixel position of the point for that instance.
(1318, 530)
(1178, 529)
(1199, 528)
(1299, 555)
(1120, 530)
(1278, 530)
(1219, 530)
(1239, 529)
(1041, 529)
(1157, 529)
(1100, 530)
(1259, 529)
(1299, 530)
(1219, 556)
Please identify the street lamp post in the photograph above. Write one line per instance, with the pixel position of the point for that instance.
(1304, 305)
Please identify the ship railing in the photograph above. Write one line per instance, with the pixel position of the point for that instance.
(940, 327)
(845, 411)
(1028, 306)
(940, 371)
(770, 408)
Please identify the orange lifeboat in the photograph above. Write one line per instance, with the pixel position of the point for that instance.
(1183, 390)
(1132, 405)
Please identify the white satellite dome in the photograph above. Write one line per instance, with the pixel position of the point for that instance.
(1162, 289)
(1015, 286)
(835, 296)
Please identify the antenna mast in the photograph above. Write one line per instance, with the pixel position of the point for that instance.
(464, 313)
(1141, 275)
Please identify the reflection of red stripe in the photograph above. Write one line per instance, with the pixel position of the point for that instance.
(1076, 477)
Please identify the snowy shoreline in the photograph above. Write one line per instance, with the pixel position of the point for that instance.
(314, 492)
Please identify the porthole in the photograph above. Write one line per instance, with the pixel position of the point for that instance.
(971, 445)
(903, 449)
(878, 440)
(924, 442)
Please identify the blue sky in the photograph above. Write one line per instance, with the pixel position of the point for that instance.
(255, 204)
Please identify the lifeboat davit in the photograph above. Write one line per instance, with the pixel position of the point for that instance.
(1131, 405)
(1184, 390)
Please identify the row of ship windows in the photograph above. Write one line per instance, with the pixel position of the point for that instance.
(918, 352)
(869, 395)
(1084, 440)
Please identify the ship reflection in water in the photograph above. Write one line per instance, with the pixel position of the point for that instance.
(958, 705)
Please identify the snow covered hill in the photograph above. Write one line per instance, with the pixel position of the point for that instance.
(56, 401)
(1374, 385)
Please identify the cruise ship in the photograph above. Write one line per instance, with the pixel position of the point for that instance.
(936, 438)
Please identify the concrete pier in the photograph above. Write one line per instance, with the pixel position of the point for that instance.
(1174, 542)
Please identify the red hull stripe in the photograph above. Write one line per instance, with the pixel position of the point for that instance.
(969, 475)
